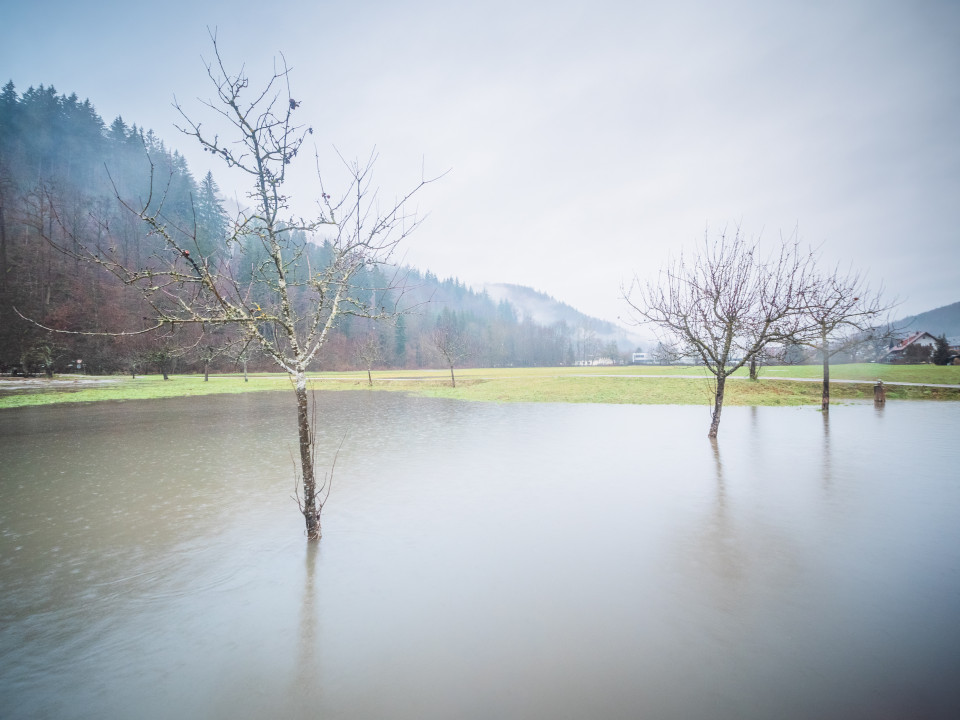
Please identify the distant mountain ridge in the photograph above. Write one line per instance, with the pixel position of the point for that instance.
(939, 321)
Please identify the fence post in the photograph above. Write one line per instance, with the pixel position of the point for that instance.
(879, 393)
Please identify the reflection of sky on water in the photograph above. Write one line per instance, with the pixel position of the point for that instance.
(479, 560)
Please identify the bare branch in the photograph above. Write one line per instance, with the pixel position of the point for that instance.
(98, 333)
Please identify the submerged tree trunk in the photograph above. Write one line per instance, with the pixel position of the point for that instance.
(825, 397)
(717, 406)
(311, 512)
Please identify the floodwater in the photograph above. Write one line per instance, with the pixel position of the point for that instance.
(480, 561)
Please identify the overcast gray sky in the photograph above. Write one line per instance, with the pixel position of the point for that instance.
(585, 141)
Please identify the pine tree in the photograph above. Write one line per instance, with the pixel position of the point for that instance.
(118, 130)
(8, 113)
(941, 351)
(400, 341)
(211, 217)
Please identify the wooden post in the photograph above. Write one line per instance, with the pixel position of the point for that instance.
(879, 393)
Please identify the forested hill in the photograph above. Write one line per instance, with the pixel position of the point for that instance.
(940, 321)
(62, 169)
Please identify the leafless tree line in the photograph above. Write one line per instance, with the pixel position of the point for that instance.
(728, 302)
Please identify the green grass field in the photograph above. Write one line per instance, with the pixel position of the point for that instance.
(672, 385)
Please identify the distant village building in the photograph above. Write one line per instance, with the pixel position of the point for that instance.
(916, 348)
(595, 362)
(642, 358)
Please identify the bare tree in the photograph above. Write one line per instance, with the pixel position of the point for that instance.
(169, 345)
(213, 344)
(585, 339)
(840, 312)
(449, 341)
(245, 353)
(666, 353)
(724, 304)
(768, 355)
(369, 352)
(269, 283)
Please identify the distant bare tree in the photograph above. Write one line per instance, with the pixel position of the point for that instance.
(586, 342)
(450, 343)
(169, 345)
(244, 354)
(840, 312)
(724, 304)
(212, 344)
(369, 352)
(768, 355)
(666, 353)
(916, 354)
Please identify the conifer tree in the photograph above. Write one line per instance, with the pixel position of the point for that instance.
(941, 351)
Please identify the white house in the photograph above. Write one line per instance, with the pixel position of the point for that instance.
(917, 339)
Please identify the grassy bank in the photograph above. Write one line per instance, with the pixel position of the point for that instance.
(66, 389)
(935, 374)
(630, 385)
(668, 391)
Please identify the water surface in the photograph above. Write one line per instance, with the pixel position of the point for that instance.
(479, 561)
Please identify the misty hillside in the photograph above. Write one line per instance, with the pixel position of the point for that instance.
(55, 192)
(940, 321)
(545, 310)
(539, 307)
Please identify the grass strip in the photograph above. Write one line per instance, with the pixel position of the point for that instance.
(682, 386)
(144, 387)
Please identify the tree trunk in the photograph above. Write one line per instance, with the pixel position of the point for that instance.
(453, 380)
(825, 397)
(753, 367)
(245, 378)
(206, 372)
(717, 406)
(369, 377)
(311, 512)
